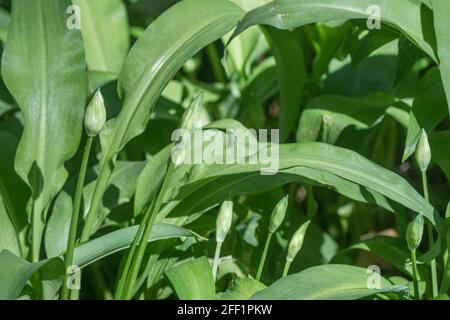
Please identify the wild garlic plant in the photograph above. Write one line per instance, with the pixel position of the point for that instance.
(135, 139)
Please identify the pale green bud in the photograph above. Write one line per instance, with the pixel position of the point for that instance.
(95, 115)
(278, 214)
(297, 241)
(223, 222)
(423, 152)
(414, 232)
(194, 114)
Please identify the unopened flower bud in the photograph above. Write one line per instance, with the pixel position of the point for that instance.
(423, 152)
(297, 241)
(95, 116)
(193, 114)
(223, 222)
(278, 214)
(414, 232)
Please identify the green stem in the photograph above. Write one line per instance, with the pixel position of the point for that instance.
(263, 257)
(215, 62)
(415, 275)
(137, 261)
(434, 281)
(126, 268)
(216, 259)
(75, 217)
(286, 267)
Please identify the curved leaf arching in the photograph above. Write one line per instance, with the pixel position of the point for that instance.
(408, 17)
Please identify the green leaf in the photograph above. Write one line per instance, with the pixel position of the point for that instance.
(241, 289)
(50, 90)
(9, 239)
(428, 110)
(104, 26)
(327, 282)
(440, 144)
(333, 114)
(441, 12)
(15, 274)
(193, 280)
(150, 179)
(315, 161)
(288, 53)
(405, 16)
(121, 239)
(14, 191)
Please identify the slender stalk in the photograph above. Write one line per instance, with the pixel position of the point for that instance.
(216, 259)
(445, 284)
(415, 274)
(126, 268)
(434, 281)
(75, 217)
(137, 261)
(286, 268)
(263, 257)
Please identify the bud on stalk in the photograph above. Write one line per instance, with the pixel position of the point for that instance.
(423, 152)
(414, 232)
(297, 241)
(278, 214)
(194, 113)
(95, 116)
(223, 222)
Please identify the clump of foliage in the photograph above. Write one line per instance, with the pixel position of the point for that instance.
(93, 205)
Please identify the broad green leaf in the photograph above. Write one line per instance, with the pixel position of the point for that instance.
(332, 114)
(441, 12)
(374, 40)
(9, 239)
(15, 274)
(121, 239)
(241, 289)
(405, 16)
(328, 282)
(193, 280)
(428, 110)
(50, 90)
(288, 53)
(180, 32)
(104, 26)
(13, 190)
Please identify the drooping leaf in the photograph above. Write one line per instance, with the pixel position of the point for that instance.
(405, 16)
(327, 282)
(50, 89)
(193, 280)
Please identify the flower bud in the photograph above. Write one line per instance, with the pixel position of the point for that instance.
(223, 222)
(194, 114)
(423, 152)
(414, 232)
(278, 214)
(297, 241)
(95, 115)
